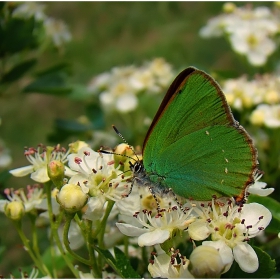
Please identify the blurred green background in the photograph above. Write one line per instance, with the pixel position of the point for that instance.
(104, 35)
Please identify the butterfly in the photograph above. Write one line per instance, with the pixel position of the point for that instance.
(194, 146)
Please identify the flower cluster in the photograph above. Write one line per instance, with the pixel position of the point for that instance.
(239, 24)
(120, 88)
(55, 29)
(100, 180)
(261, 94)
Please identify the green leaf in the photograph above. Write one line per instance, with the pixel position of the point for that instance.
(124, 265)
(19, 34)
(274, 207)
(96, 116)
(266, 267)
(121, 264)
(72, 126)
(51, 81)
(18, 71)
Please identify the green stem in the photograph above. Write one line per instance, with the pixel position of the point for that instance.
(35, 245)
(102, 226)
(89, 240)
(54, 227)
(69, 217)
(26, 244)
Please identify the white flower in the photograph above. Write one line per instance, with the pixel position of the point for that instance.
(239, 25)
(39, 161)
(29, 9)
(255, 45)
(232, 226)
(5, 157)
(155, 230)
(165, 266)
(57, 31)
(98, 178)
(258, 188)
(122, 87)
(126, 103)
(31, 200)
(268, 115)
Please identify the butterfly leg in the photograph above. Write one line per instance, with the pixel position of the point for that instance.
(155, 197)
(177, 201)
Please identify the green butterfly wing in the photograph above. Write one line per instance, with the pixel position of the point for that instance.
(195, 146)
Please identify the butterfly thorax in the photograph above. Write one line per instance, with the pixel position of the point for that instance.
(143, 178)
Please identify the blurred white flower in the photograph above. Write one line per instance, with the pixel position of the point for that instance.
(257, 46)
(267, 115)
(121, 88)
(29, 9)
(239, 24)
(242, 93)
(58, 31)
(5, 157)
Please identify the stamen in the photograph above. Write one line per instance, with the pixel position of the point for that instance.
(78, 160)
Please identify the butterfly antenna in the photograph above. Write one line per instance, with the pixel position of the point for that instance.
(124, 140)
(113, 153)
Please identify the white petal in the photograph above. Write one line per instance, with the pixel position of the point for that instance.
(40, 175)
(246, 257)
(198, 230)
(256, 215)
(259, 189)
(151, 238)
(22, 171)
(69, 172)
(126, 103)
(130, 230)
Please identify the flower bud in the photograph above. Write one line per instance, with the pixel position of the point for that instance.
(56, 172)
(128, 152)
(14, 210)
(76, 146)
(229, 7)
(206, 262)
(71, 198)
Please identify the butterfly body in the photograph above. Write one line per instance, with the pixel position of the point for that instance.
(194, 145)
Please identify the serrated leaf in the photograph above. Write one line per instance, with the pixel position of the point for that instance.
(124, 265)
(266, 267)
(18, 71)
(121, 264)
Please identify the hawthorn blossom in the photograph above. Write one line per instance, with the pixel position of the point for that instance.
(120, 88)
(170, 267)
(231, 226)
(156, 230)
(39, 159)
(239, 25)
